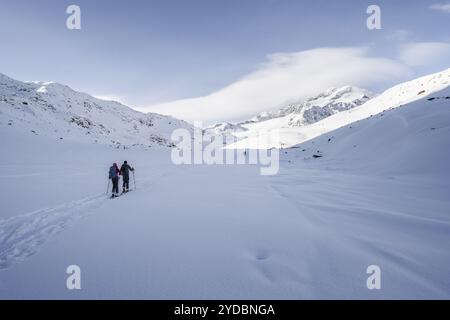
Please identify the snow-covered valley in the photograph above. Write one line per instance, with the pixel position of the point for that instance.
(371, 192)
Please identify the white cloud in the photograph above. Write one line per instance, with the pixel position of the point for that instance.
(284, 77)
(400, 35)
(420, 54)
(444, 7)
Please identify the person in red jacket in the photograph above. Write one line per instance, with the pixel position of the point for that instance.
(114, 173)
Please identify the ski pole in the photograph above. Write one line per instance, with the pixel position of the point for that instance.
(107, 189)
(134, 180)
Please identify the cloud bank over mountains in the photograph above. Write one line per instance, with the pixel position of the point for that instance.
(285, 77)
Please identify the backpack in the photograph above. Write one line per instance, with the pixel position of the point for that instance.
(112, 172)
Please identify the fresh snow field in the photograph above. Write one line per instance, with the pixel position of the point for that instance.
(378, 195)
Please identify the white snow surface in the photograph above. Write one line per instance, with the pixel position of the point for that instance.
(378, 195)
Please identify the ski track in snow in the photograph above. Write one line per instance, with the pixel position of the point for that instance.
(22, 236)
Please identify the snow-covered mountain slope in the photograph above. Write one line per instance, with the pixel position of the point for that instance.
(54, 110)
(412, 140)
(224, 127)
(301, 113)
(324, 105)
(319, 107)
(281, 134)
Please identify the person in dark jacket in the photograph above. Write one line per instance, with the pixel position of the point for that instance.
(125, 171)
(114, 173)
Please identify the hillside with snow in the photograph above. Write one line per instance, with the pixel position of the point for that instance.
(60, 113)
(291, 130)
(410, 140)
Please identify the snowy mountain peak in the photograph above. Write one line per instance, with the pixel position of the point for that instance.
(44, 87)
(319, 116)
(344, 94)
(57, 111)
(311, 110)
(326, 104)
(347, 96)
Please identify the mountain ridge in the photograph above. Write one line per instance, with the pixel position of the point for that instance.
(306, 111)
(397, 96)
(56, 110)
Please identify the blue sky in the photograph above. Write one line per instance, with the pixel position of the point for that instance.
(146, 53)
